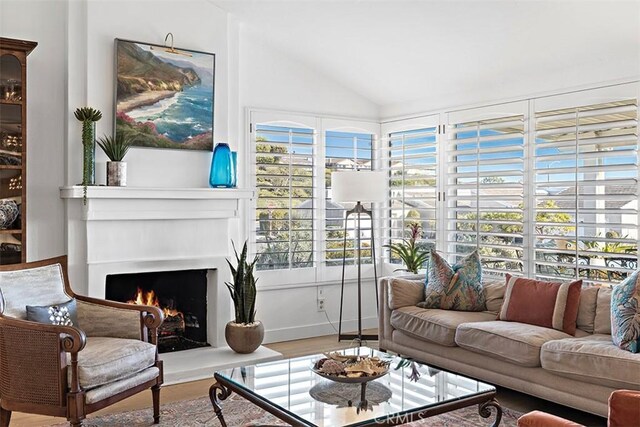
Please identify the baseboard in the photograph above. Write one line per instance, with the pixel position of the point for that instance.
(316, 330)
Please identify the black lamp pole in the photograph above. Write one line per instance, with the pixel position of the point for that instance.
(358, 210)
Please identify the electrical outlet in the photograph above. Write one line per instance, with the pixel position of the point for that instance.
(320, 298)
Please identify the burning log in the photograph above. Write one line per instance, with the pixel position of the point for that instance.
(172, 325)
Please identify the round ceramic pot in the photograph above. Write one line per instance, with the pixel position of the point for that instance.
(117, 174)
(244, 338)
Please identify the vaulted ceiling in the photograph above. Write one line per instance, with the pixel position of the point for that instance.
(393, 52)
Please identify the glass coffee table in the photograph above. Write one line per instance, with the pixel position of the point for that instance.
(411, 391)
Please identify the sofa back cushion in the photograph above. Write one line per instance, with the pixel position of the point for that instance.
(602, 320)
(587, 308)
(494, 295)
(33, 286)
(548, 304)
(404, 293)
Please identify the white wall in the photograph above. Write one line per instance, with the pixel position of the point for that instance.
(195, 24)
(269, 78)
(46, 80)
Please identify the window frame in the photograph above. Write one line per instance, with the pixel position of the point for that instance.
(479, 115)
(400, 126)
(528, 107)
(574, 101)
(319, 273)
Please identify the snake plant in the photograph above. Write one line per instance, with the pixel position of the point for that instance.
(88, 116)
(243, 287)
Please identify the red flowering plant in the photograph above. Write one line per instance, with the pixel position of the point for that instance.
(410, 253)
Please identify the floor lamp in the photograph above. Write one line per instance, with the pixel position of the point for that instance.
(358, 187)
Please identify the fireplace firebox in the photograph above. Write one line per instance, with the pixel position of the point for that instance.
(182, 296)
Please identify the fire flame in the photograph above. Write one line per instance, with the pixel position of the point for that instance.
(150, 298)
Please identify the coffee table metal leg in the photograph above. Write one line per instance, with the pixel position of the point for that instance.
(484, 409)
(217, 393)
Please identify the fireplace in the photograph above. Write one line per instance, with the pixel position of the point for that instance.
(182, 296)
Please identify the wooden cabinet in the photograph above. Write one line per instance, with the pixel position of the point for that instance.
(13, 149)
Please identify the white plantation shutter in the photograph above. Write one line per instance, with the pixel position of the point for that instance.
(285, 208)
(485, 188)
(345, 151)
(413, 184)
(586, 166)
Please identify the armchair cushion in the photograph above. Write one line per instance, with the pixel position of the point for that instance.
(624, 408)
(65, 314)
(99, 393)
(32, 286)
(105, 360)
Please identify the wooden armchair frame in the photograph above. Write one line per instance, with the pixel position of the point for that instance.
(34, 374)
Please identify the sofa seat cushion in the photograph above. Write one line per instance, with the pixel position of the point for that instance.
(514, 342)
(594, 359)
(104, 360)
(435, 325)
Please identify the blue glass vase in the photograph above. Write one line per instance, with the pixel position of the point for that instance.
(234, 162)
(222, 170)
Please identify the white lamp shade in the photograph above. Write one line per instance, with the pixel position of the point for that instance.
(358, 186)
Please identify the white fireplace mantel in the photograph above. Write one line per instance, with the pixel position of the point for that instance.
(104, 192)
(144, 203)
(121, 230)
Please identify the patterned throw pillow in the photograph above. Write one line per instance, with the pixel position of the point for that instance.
(625, 314)
(551, 305)
(457, 287)
(64, 314)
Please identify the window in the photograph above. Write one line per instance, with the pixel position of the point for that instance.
(586, 223)
(413, 184)
(297, 231)
(284, 159)
(545, 188)
(485, 195)
(345, 151)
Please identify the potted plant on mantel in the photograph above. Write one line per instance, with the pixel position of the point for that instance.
(245, 334)
(116, 148)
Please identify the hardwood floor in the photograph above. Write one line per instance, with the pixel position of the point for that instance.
(192, 390)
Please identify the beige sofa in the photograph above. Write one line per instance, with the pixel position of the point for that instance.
(579, 371)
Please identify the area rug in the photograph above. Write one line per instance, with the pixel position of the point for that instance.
(238, 412)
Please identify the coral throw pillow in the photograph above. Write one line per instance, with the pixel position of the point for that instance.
(457, 287)
(547, 304)
(625, 314)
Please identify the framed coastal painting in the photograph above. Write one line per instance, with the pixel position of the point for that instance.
(164, 96)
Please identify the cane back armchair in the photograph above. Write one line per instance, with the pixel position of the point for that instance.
(72, 371)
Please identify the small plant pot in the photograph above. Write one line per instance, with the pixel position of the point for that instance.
(244, 338)
(117, 174)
